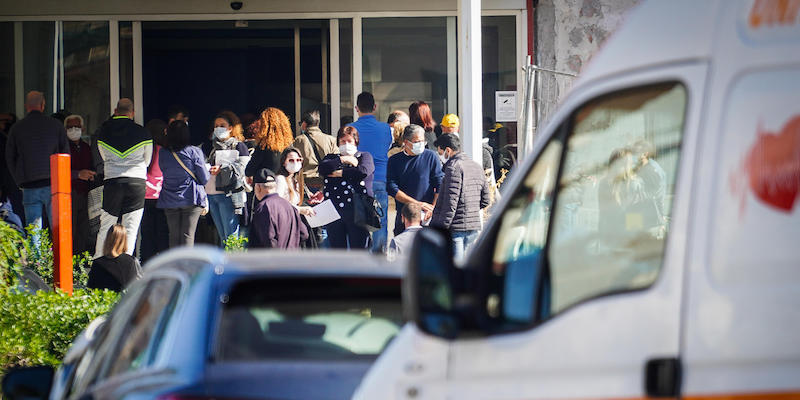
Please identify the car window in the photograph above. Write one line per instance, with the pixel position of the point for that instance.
(138, 339)
(301, 319)
(615, 191)
(522, 237)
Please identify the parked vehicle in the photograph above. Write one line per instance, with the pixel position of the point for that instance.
(648, 247)
(205, 324)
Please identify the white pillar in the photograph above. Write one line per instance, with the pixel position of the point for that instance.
(113, 55)
(336, 104)
(471, 77)
(357, 68)
(138, 97)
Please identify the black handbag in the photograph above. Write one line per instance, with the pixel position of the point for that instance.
(367, 212)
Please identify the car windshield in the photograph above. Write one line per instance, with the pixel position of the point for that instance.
(309, 319)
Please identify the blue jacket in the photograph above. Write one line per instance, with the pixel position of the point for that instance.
(179, 188)
(417, 176)
(375, 138)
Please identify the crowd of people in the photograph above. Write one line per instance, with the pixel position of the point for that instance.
(260, 181)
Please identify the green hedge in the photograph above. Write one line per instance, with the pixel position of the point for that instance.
(37, 329)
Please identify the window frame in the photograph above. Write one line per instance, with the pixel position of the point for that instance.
(564, 132)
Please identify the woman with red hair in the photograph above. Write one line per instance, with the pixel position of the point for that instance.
(419, 112)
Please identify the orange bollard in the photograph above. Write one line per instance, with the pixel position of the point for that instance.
(61, 192)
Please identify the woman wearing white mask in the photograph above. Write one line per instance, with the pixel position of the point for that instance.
(345, 173)
(82, 174)
(289, 182)
(226, 188)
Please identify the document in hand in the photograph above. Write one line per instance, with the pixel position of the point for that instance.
(325, 213)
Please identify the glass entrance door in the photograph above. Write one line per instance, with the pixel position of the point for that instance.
(242, 66)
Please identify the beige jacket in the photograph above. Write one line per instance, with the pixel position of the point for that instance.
(326, 144)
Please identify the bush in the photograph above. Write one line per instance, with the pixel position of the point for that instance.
(235, 243)
(37, 329)
(13, 248)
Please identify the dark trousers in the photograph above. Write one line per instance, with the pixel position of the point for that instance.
(154, 231)
(182, 225)
(346, 235)
(80, 223)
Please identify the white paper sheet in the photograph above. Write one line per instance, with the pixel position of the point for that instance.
(325, 214)
(225, 157)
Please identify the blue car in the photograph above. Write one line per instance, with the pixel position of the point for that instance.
(204, 324)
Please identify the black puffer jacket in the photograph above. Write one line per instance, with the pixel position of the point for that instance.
(464, 192)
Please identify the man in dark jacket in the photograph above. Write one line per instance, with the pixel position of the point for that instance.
(30, 143)
(464, 192)
(276, 222)
(126, 149)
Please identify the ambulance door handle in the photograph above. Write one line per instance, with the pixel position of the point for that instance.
(662, 377)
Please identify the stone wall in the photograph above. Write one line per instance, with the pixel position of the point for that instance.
(568, 33)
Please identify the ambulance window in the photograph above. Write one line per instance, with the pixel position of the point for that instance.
(612, 210)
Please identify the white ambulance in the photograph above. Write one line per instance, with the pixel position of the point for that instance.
(651, 245)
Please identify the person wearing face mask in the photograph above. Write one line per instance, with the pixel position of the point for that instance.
(349, 171)
(414, 175)
(226, 189)
(82, 173)
(290, 182)
(464, 192)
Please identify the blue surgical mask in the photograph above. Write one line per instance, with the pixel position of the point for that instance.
(417, 148)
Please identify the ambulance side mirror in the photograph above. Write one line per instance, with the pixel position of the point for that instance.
(428, 298)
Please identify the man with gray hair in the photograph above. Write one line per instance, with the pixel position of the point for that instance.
(31, 141)
(414, 175)
(126, 149)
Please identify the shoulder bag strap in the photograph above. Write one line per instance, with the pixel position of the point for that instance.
(184, 166)
(314, 147)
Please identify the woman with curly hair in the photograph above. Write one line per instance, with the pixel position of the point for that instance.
(273, 133)
(226, 188)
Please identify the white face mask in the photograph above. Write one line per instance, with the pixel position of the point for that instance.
(443, 158)
(74, 133)
(293, 167)
(222, 133)
(417, 148)
(348, 149)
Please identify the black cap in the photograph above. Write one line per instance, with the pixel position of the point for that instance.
(448, 140)
(264, 175)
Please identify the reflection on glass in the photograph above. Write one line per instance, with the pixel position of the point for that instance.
(500, 71)
(38, 40)
(405, 60)
(7, 101)
(126, 60)
(613, 206)
(86, 72)
(346, 69)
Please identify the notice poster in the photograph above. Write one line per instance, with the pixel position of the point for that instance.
(505, 106)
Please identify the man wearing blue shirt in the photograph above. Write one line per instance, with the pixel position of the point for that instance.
(376, 139)
(414, 175)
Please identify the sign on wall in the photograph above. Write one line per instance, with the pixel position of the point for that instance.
(505, 106)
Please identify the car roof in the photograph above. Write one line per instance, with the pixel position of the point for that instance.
(281, 262)
(318, 262)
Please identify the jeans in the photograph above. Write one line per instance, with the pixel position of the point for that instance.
(379, 236)
(221, 209)
(461, 241)
(182, 225)
(33, 200)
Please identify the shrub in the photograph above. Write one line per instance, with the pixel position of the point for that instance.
(13, 248)
(37, 329)
(235, 243)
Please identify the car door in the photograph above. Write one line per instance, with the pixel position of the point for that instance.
(133, 341)
(583, 268)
